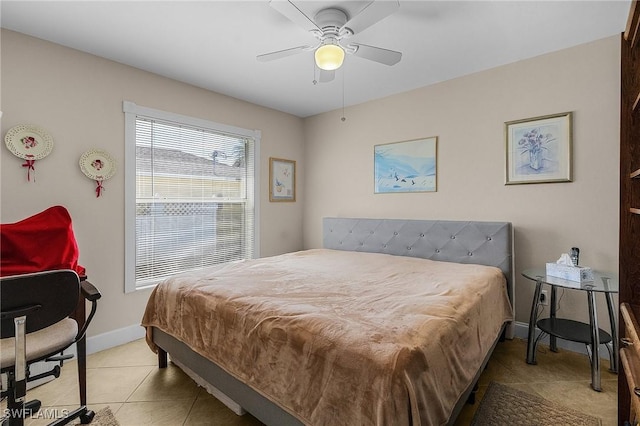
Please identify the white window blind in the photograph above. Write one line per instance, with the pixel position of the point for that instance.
(194, 195)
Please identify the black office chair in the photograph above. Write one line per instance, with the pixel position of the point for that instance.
(41, 315)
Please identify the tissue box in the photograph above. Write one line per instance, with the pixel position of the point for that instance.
(572, 273)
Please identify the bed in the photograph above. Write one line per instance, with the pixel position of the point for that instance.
(391, 322)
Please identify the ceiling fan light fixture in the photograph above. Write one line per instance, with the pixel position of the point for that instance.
(329, 57)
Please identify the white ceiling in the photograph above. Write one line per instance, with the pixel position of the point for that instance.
(213, 44)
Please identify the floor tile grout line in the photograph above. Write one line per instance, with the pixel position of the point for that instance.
(138, 385)
(193, 403)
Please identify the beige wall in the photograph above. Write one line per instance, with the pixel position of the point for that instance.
(78, 98)
(468, 114)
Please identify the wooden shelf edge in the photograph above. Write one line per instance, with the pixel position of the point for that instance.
(631, 30)
(632, 11)
(635, 174)
(630, 322)
(630, 365)
(634, 211)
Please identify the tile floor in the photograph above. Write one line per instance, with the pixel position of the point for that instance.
(127, 379)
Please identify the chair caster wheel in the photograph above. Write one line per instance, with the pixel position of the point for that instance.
(87, 417)
(32, 407)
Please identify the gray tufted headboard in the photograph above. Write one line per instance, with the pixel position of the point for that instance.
(484, 243)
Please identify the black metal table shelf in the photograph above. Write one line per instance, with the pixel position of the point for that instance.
(574, 331)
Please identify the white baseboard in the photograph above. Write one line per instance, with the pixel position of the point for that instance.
(110, 339)
(114, 338)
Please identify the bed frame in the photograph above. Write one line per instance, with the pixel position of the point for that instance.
(485, 243)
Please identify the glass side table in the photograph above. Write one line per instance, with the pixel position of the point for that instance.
(589, 334)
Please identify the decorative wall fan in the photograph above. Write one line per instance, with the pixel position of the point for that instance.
(332, 27)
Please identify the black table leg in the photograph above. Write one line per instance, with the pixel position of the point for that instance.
(595, 341)
(531, 342)
(553, 340)
(614, 333)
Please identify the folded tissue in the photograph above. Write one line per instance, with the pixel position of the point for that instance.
(565, 269)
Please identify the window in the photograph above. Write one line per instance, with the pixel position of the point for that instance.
(189, 194)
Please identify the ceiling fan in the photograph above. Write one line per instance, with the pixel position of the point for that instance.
(332, 27)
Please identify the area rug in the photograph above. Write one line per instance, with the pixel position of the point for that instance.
(502, 405)
(103, 417)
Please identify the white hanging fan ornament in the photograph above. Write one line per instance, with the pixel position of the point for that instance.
(30, 143)
(98, 165)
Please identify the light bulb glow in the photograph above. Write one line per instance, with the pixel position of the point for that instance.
(329, 57)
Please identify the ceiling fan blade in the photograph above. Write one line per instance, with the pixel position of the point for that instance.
(372, 13)
(376, 54)
(291, 11)
(326, 76)
(282, 53)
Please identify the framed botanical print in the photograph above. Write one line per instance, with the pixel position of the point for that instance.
(282, 179)
(539, 149)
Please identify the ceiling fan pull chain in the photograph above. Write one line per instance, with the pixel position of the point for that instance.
(315, 77)
(343, 118)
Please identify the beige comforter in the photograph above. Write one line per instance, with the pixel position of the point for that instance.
(341, 338)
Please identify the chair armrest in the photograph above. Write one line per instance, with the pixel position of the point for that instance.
(89, 291)
(92, 294)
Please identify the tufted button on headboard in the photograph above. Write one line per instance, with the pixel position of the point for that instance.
(484, 243)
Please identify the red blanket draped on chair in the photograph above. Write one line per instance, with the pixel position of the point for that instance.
(42, 242)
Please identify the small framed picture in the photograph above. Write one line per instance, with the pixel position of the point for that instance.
(282, 179)
(539, 149)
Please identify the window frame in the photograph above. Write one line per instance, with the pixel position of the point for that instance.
(131, 112)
